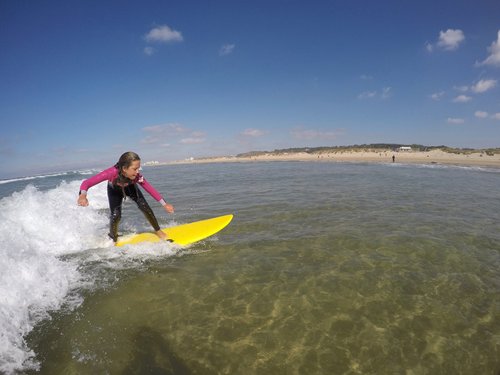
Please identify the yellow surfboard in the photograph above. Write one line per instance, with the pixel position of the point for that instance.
(184, 234)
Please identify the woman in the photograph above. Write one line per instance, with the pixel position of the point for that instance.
(123, 179)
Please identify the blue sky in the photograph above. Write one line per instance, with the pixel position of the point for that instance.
(84, 81)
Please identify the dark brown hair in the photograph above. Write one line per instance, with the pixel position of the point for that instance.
(125, 161)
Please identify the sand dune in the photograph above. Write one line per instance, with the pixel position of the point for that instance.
(418, 157)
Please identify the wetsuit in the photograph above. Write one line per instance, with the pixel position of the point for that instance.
(116, 195)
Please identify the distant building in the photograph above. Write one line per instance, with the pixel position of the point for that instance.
(405, 148)
(153, 162)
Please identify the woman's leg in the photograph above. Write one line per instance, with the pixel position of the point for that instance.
(135, 194)
(115, 198)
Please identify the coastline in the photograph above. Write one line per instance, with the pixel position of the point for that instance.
(402, 157)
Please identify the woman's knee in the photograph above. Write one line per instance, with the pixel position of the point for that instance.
(116, 214)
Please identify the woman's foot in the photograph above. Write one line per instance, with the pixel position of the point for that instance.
(163, 236)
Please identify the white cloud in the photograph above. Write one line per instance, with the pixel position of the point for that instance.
(149, 51)
(365, 77)
(461, 88)
(437, 95)
(226, 49)
(163, 34)
(455, 121)
(484, 85)
(149, 140)
(481, 114)
(195, 137)
(494, 57)
(310, 134)
(449, 40)
(192, 140)
(367, 95)
(462, 99)
(429, 47)
(385, 93)
(168, 133)
(198, 134)
(496, 116)
(253, 132)
(165, 129)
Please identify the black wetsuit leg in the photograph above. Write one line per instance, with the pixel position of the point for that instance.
(115, 198)
(136, 195)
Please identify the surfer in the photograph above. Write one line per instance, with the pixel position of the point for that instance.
(123, 179)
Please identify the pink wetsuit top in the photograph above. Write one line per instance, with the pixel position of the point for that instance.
(111, 174)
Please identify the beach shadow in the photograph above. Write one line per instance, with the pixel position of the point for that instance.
(152, 355)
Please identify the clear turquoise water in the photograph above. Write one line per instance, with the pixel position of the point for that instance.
(326, 269)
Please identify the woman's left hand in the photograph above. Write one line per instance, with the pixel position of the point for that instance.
(169, 208)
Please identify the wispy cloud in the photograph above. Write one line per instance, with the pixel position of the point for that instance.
(448, 40)
(367, 95)
(365, 77)
(462, 99)
(251, 132)
(226, 49)
(494, 57)
(455, 121)
(385, 93)
(479, 87)
(437, 95)
(165, 129)
(311, 134)
(484, 115)
(462, 88)
(483, 85)
(192, 140)
(163, 34)
(165, 134)
(149, 51)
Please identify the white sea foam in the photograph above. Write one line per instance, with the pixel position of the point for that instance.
(32, 177)
(446, 166)
(47, 244)
(28, 178)
(37, 230)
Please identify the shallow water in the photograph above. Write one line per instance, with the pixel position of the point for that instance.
(326, 268)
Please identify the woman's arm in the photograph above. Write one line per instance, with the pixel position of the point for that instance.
(108, 174)
(155, 194)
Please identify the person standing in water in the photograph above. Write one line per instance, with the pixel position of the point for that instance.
(123, 179)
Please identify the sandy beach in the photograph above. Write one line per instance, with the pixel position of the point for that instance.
(415, 157)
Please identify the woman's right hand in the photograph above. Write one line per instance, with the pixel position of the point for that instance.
(82, 200)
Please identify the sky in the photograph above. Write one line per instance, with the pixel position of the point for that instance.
(81, 82)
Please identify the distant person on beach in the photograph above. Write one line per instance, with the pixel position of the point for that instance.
(393, 158)
(123, 179)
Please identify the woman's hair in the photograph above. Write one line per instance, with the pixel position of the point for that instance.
(125, 161)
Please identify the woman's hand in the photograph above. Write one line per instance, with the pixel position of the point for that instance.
(82, 200)
(169, 208)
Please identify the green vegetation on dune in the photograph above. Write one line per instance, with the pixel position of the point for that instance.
(374, 147)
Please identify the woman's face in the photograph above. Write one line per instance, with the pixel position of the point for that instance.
(132, 171)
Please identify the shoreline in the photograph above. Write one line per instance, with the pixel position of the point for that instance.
(411, 157)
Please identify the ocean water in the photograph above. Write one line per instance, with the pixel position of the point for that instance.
(327, 268)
